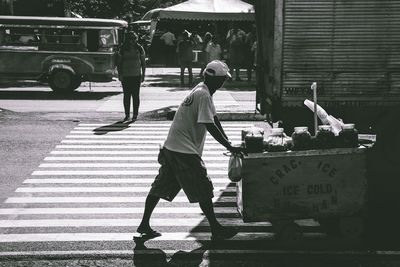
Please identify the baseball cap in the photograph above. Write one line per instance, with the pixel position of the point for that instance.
(217, 68)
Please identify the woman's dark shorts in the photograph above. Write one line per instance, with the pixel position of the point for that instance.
(182, 171)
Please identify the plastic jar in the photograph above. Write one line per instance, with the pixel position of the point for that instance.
(252, 130)
(276, 140)
(301, 138)
(254, 142)
(325, 138)
(348, 136)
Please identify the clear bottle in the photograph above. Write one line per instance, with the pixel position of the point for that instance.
(348, 136)
(276, 140)
(301, 138)
(325, 138)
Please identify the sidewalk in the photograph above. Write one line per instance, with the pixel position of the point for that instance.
(161, 93)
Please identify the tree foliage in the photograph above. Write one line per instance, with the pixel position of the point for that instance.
(122, 9)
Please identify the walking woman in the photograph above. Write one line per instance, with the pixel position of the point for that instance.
(131, 70)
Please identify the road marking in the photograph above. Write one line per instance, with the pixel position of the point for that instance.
(120, 189)
(132, 137)
(97, 141)
(221, 148)
(148, 128)
(194, 222)
(153, 158)
(113, 172)
(107, 181)
(139, 132)
(80, 237)
(166, 124)
(119, 152)
(117, 165)
(178, 199)
(115, 210)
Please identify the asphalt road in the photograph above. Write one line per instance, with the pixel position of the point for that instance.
(37, 128)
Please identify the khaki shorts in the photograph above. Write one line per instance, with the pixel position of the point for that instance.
(182, 171)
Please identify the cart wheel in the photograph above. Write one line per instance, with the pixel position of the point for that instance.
(351, 227)
(287, 232)
(330, 226)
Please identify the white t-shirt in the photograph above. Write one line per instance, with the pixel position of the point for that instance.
(188, 130)
(214, 51)
(168, 38)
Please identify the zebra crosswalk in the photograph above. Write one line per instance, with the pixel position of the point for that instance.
(88, 195)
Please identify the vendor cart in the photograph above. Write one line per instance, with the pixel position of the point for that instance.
(328, 185)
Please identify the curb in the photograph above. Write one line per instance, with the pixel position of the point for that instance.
(205, 254)
(240, 116)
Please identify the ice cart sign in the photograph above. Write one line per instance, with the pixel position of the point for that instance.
(303, 184)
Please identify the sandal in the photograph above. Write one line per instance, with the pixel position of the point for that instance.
(224, 233)
(148, 234)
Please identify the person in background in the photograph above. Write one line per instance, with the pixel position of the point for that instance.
(250, 40)
(198, 41)
(185, 56)
(169, 40)
(131, 70)
(204, 55)
(180, 158)
(213, 50)
(236, 47)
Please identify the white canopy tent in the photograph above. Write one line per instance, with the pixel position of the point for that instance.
(211, 10)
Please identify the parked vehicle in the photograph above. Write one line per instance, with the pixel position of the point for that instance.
(350, 48)
(61, 51)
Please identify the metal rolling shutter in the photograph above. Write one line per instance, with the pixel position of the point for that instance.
(350, 47)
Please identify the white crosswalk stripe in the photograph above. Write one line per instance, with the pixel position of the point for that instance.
(93, 185)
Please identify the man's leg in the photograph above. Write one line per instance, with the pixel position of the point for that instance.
(190, 75)
(218, 231)
(151, 203)
(208, 210)
(237, 71)
(182, 75)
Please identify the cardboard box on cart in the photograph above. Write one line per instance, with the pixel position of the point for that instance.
(327, 185)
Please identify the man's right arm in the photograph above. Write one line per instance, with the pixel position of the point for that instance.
(216, 133)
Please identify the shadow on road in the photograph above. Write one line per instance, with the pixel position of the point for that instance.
(40, 95)
(314, 249)
(150, 257)
(114, 127)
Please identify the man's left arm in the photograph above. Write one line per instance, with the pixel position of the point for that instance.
(219, 126)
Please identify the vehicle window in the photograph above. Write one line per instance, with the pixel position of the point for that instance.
(19, 38)
(107, 40)
(63, 39)
(93, 40)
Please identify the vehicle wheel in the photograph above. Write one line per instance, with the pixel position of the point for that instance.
(351, 227)
(62, 81)
(76, 82)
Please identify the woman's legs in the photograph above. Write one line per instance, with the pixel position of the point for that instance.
(136, 95)
(127, 89)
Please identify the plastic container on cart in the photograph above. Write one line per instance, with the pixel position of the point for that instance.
(348, 136)
(254, 140)
(325, 137)
(301, 139)
(276, 141)
(252, 130)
